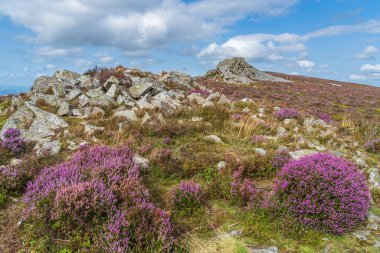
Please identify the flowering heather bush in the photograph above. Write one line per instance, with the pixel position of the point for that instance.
(13, 141)
(324, 191)
(236, 116)
(204, 93)
(372, 146)
(256, 139)
(280, 159)
(242, 189)
(167, 140)
(324, 116)
(287, 113)
(100, 187)
(11, 178)
(187, 195)
(145, 149)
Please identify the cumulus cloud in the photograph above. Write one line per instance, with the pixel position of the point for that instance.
(269, 47)
(368, 53)
(50, 52)
(257, 47)
(358, 77)
(132, 24)
(371, 67)
(306, 64)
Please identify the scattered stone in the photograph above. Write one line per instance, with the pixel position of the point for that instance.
(128, 114)
(140, 89)
(143, 103)
(213, 138)
(113, 91)
(47, 147)
(178, 78)
(83, 100)
(260, 151)
(281, 132)
(273, 249)
(65, 109)
(362, 235)
(223, 100)
(301, 153)
(112, 81)
(74, 94)
(221, 165)
(15, 162)
(196, 98)
(196, 119)
(142, 162)
(90, 130)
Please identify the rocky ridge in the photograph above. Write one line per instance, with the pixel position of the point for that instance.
(238, 71)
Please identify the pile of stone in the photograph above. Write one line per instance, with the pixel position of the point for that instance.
(69, 94)
(238, 71)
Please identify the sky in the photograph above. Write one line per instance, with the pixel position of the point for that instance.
(335, 39)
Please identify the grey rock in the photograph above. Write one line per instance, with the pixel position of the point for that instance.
(362, 235)
(65, 109)
(208, 104)
(311, 122)
(44, 124)
(73, 94)
(374, 178)
(145, 118)
(140, 89)
(47, 148)
(260, 151)
(223, 100)
(66, 75)
(196, 98)
(77, 112)
(21, 119)
(301, 153)
(59, 90)
(90, 130)
(113, 91)
(16, 102)
(273, 249)
(15, 162)
(213, 138)
(83, 100)
(142, 162)
(85, 82)
(281, 132)
(144, 103)
(164, 100)
(196, 119)
(238, 71)
(221, 165)
(178, 78)
(128, 114)
(111, 81)
(42, 84)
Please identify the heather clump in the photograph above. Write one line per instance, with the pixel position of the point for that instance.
(99, 193)
(324, 191)
(287, 113)
(324, 116)
(13, 141)
(280, 159)
(204, 93)
(243, 190)
(188, 195)
(372, 146)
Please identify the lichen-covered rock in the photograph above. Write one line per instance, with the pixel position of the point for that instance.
(42, 84)
(128, 114)
(140, 89)
(178, 78)
(238, 71)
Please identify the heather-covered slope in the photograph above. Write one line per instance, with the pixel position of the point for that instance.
(130, 161)
(308, 94)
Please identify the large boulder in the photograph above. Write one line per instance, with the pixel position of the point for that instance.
(238, 71)
(34, 123)
(42, 84)
(178, 78)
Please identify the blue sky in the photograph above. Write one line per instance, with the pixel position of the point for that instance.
(336, 39)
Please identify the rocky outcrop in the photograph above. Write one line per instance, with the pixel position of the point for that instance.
(238, 71)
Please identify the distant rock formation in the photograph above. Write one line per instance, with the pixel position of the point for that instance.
(238, 71)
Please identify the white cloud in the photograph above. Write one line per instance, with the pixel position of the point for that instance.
(133, 24)
(371, 67)
(50, 52)
(256, 47)
(368, 53)
(370, 26)
(358, 77)
(306, 64)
